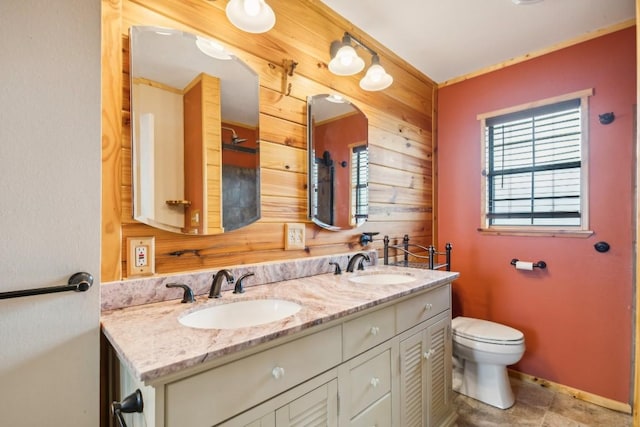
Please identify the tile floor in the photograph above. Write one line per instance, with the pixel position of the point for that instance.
(540, 407)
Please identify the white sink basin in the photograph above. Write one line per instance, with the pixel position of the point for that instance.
(382, 279)
(241, 314)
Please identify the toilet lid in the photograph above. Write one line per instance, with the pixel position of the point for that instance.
(485, 331)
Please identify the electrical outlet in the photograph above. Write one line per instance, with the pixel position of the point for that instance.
(293, 236)
(141, 256)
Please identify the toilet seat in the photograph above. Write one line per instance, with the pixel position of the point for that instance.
(484, 331)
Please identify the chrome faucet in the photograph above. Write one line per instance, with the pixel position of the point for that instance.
(358, 260)
(216, 283)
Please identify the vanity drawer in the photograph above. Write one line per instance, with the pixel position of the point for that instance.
(369, 381)
(364, 332)
(422, 307)
(378, 414)
(217, 394)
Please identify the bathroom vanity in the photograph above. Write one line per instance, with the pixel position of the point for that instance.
(358, 353)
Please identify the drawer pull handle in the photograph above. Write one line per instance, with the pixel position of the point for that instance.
(428, 354)
(375, 382)
(375, 330)
(428, 307)
(277, 372)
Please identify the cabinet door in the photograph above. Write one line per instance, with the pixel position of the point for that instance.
(316, 408)
(439, 371)
(426, 396)
(413, 381)
(268, 420)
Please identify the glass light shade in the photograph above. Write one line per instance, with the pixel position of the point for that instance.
(252, 16)
(346, 62)
(211, 48)
(376, 78)
(336, 99)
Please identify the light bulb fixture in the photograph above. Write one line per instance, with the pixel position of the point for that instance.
(252, 16)
(346, 62)
(344, 59)
(376, 77)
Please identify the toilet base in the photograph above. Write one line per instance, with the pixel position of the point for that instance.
(486, 383)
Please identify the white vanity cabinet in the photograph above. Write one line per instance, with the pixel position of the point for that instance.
(386, 366)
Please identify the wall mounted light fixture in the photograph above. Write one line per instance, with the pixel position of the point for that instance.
(252, 16)
(344, 59)
(346, 62)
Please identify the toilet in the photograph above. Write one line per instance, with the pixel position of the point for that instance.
(482, 350)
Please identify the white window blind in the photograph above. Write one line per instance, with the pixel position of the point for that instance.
(359, 186)
(533, 168)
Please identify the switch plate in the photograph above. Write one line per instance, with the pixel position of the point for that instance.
(293, 236)
(140, 256)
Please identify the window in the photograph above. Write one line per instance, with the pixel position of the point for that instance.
(359, 187)
(535, 169)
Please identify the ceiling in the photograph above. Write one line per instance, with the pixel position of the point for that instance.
(447, 39)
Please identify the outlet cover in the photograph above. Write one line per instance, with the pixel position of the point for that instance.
(141, 260)
(293, 236)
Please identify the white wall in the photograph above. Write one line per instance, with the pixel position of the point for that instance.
(167, 180)
(50, 160)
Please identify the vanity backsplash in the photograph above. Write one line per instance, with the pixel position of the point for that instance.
(146, 290)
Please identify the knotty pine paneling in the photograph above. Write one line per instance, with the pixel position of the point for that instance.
(400, 136)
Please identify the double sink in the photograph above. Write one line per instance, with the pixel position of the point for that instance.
(248, 313)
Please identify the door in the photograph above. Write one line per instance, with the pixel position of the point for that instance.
(50, 160)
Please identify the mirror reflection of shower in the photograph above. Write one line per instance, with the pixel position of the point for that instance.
(234, 136)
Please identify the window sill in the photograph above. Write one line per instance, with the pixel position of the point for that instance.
(538, 232)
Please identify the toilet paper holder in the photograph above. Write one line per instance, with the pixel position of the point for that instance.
(539, 264)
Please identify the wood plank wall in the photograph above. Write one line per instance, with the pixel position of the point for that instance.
(400, 135)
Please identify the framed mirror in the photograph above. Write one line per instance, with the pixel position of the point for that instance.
(338, 163)
(195, 135)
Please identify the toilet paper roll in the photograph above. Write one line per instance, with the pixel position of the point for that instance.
(523, 265)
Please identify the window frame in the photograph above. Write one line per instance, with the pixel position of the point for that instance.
(541, 230)
(355, 150)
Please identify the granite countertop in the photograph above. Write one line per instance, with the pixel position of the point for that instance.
(152, 343)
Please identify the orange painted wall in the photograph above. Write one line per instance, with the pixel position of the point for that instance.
(577, 314)
(338, 137)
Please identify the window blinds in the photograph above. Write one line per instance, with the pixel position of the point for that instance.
(359, 180)
(534, 166)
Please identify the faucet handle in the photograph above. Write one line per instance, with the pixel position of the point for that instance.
(338, 270)
(187, 296)
(239, 289)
